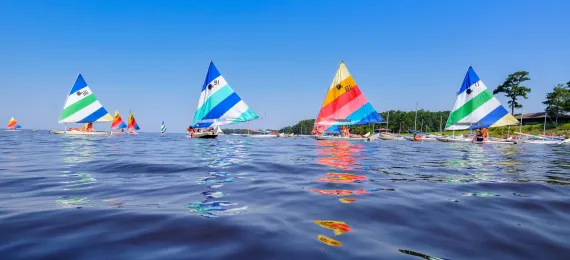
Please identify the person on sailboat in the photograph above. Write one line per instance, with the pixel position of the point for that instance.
(485, 134)
(479, 137)
(416, 138)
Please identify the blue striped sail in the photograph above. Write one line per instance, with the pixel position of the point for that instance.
(476, 107)
(219, 104)
(81, 105)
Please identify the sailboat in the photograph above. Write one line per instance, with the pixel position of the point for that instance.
(13, 125)
(132, 125)
(163, 128)
(118, 124)
(81, 106)
(218, 105)
(344, 105)
(218, 130)
(476, 107)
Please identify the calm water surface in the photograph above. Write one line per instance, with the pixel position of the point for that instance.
(166, 197)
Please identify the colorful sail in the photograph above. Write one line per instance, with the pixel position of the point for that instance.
(82, 106)
(476, 107)
(118, 122)
(13, 124)
(163, 128)
(219, 104)
(345, 104)
(132, 123)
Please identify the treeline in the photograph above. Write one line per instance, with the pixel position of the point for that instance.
(398, 121)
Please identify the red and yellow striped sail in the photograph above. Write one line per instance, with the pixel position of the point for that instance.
(12, 123)
(132, 123)
(344, 104)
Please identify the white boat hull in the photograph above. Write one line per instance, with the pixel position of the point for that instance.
(63, 132)
(547, 142)
(11, 130)
(391, 137)
(468, 140)
(341, 138)
(263, 136)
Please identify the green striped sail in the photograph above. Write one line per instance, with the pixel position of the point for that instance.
(476, 107)
(81, 106)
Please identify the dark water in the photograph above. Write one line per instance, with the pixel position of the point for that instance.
(167, 197)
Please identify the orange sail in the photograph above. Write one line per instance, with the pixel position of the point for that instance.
(344, 104)
(13, 124)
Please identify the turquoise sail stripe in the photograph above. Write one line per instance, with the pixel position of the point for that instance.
(248, 115)
(212, 102)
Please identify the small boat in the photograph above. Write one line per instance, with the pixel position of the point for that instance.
(163, 128)
(387, 136)
(423, 137)
(218, 130)
(13, 125)
(265, 134)
(132, 125)
(344, 105)
(218, 105)
(81, 106)
(118, 124)
(476, 107)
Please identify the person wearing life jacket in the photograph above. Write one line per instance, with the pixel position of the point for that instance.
(485, 134)
(416, 138)
(479, 137)
(190, 131)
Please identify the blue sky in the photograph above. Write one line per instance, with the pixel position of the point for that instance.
(279, 56)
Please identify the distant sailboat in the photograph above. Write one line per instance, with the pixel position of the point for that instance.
(13, 125)
(81, 106)
(218, 105)
(118, 123)
(476, 107)
(218, 130)
(344, 105)
(163, 128)
(132, 124)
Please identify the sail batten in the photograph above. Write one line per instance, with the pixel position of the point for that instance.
(345, 104)
(81, 105)
(476, 107)
(219, 104)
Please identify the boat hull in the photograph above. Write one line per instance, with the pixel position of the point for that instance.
(12, 130)
(263, 136)
(390, 137)
(63, 132)
(464, 140)
(547, 142)
(341, 138)
(204, 135)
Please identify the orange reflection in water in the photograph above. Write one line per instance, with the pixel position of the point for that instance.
(340, 192)
(342, 178)
(338, 154)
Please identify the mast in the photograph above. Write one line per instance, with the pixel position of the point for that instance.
(520, 130)
(416, 117)
(387, 119)
(544, 129)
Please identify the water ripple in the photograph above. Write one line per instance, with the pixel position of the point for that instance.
(154, 196)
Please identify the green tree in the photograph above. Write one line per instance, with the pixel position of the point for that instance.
(513, 89)
(558, 101)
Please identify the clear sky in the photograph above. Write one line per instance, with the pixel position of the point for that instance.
(279, 56)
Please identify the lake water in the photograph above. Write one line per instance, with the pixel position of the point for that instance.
(149, 196)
